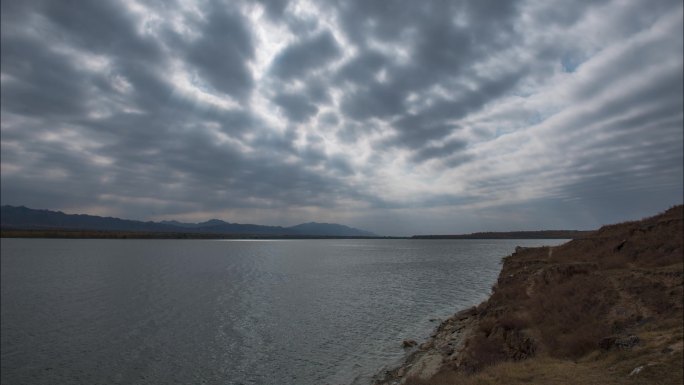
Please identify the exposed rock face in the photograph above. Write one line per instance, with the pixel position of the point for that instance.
(616, 342)
(445, 345)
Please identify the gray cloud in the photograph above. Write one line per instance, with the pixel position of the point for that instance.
(441, 54)
(275, 8)
(363, 68)
(222, 52)
(404, 116)
(374, 101)
(439, 151)
(99, 27)
(296, 106)
(303, 56)
(40, 80)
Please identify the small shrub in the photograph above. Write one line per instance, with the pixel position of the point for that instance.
(486, 325)
(483, 351)
(571, 316)
(512, 322)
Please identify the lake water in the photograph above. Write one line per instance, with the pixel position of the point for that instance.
(299, 312)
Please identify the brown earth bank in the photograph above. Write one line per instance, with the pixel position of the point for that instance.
(603, 309)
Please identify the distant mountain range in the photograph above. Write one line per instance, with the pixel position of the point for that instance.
(24, 218)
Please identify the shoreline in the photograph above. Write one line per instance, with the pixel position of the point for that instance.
(425, 360)
(606, 308)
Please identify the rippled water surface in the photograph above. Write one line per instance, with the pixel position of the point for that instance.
(229, 312)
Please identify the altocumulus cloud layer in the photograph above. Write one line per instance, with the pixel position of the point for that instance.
(398, 116)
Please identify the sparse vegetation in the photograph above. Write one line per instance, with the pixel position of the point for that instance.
(590, 311)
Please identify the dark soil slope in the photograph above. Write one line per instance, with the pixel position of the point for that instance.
(605, 309)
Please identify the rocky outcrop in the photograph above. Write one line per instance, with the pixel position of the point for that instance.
(444, 345)
(618, 342)
(594, 295)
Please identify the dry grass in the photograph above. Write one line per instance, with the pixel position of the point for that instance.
(550, 309)
(572, 316)
(606, 369)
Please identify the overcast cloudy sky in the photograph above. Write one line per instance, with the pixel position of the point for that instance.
(400, 117)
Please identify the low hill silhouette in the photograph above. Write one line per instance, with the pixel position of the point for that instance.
(27, 219)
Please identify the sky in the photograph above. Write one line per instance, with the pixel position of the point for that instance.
(399, 117)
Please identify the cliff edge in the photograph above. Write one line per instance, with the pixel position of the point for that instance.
(603, 309)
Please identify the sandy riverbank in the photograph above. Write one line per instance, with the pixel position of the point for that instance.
(606, 309)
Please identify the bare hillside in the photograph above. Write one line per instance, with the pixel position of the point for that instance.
(605, 309)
